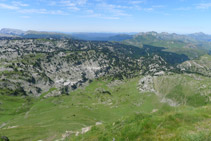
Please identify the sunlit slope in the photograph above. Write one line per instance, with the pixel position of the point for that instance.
(188, 120)
(183, 124)
(50, 118)
(201, 66)
(180, 44)
(136, 114)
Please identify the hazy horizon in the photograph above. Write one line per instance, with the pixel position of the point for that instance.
(102, 32)
(179, 16)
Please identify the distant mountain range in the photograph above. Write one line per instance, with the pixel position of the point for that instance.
(103, 36)
(201, 36)
(13, 32)
(147, 86)
(9, 32)
(192, 45)
(199, 43)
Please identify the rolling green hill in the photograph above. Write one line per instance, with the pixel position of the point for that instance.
(53, 89)
(119, 109)
(181, 44)
(201, 65)
(183, 124)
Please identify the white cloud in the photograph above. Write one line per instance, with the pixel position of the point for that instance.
(90, 11)
(158, 6)
(72, 4)
(52, 3)
(116, 10)
(136, 2)
(42, 11)
(10, 7)
(74, 8)
(67, 3)
(18, 3)
(92, 14)
(81, 2)
(203, 6)
(13, 6)
(103, 16)
(97, 8)
(111, 18)
(148, 9)
(19, 7)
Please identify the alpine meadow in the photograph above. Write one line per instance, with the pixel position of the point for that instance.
(104, 70)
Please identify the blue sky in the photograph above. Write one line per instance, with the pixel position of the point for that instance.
(180, 16)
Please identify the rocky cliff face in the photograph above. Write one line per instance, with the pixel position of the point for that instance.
(35, 66)
(200, 66)
(52, 67)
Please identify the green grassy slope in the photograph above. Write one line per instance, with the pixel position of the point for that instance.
(191, 48)
(201, 66)
(50, 118)
(182, 124)
(135, 115)
(190, 121)
(187, 89)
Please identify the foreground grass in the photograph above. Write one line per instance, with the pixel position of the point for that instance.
(125, 113)
(183, 124)
(48, 119)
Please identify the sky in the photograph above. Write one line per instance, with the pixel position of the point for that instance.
(178, 16)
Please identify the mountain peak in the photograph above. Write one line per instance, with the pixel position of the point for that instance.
(10, 31)
(199, 33)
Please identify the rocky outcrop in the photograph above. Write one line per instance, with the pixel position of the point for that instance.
(36, 66)
(4, 138)
(146, 85)
(201, 66)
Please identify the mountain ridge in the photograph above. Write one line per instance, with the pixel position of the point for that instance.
(107, 36)
(149, 87)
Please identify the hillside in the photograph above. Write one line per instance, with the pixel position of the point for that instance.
(201, 65)
(65, 89)
(34, 66)
(181, 44)
(42, 34)
(16, 33)
(121, 106)
(175, 125)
